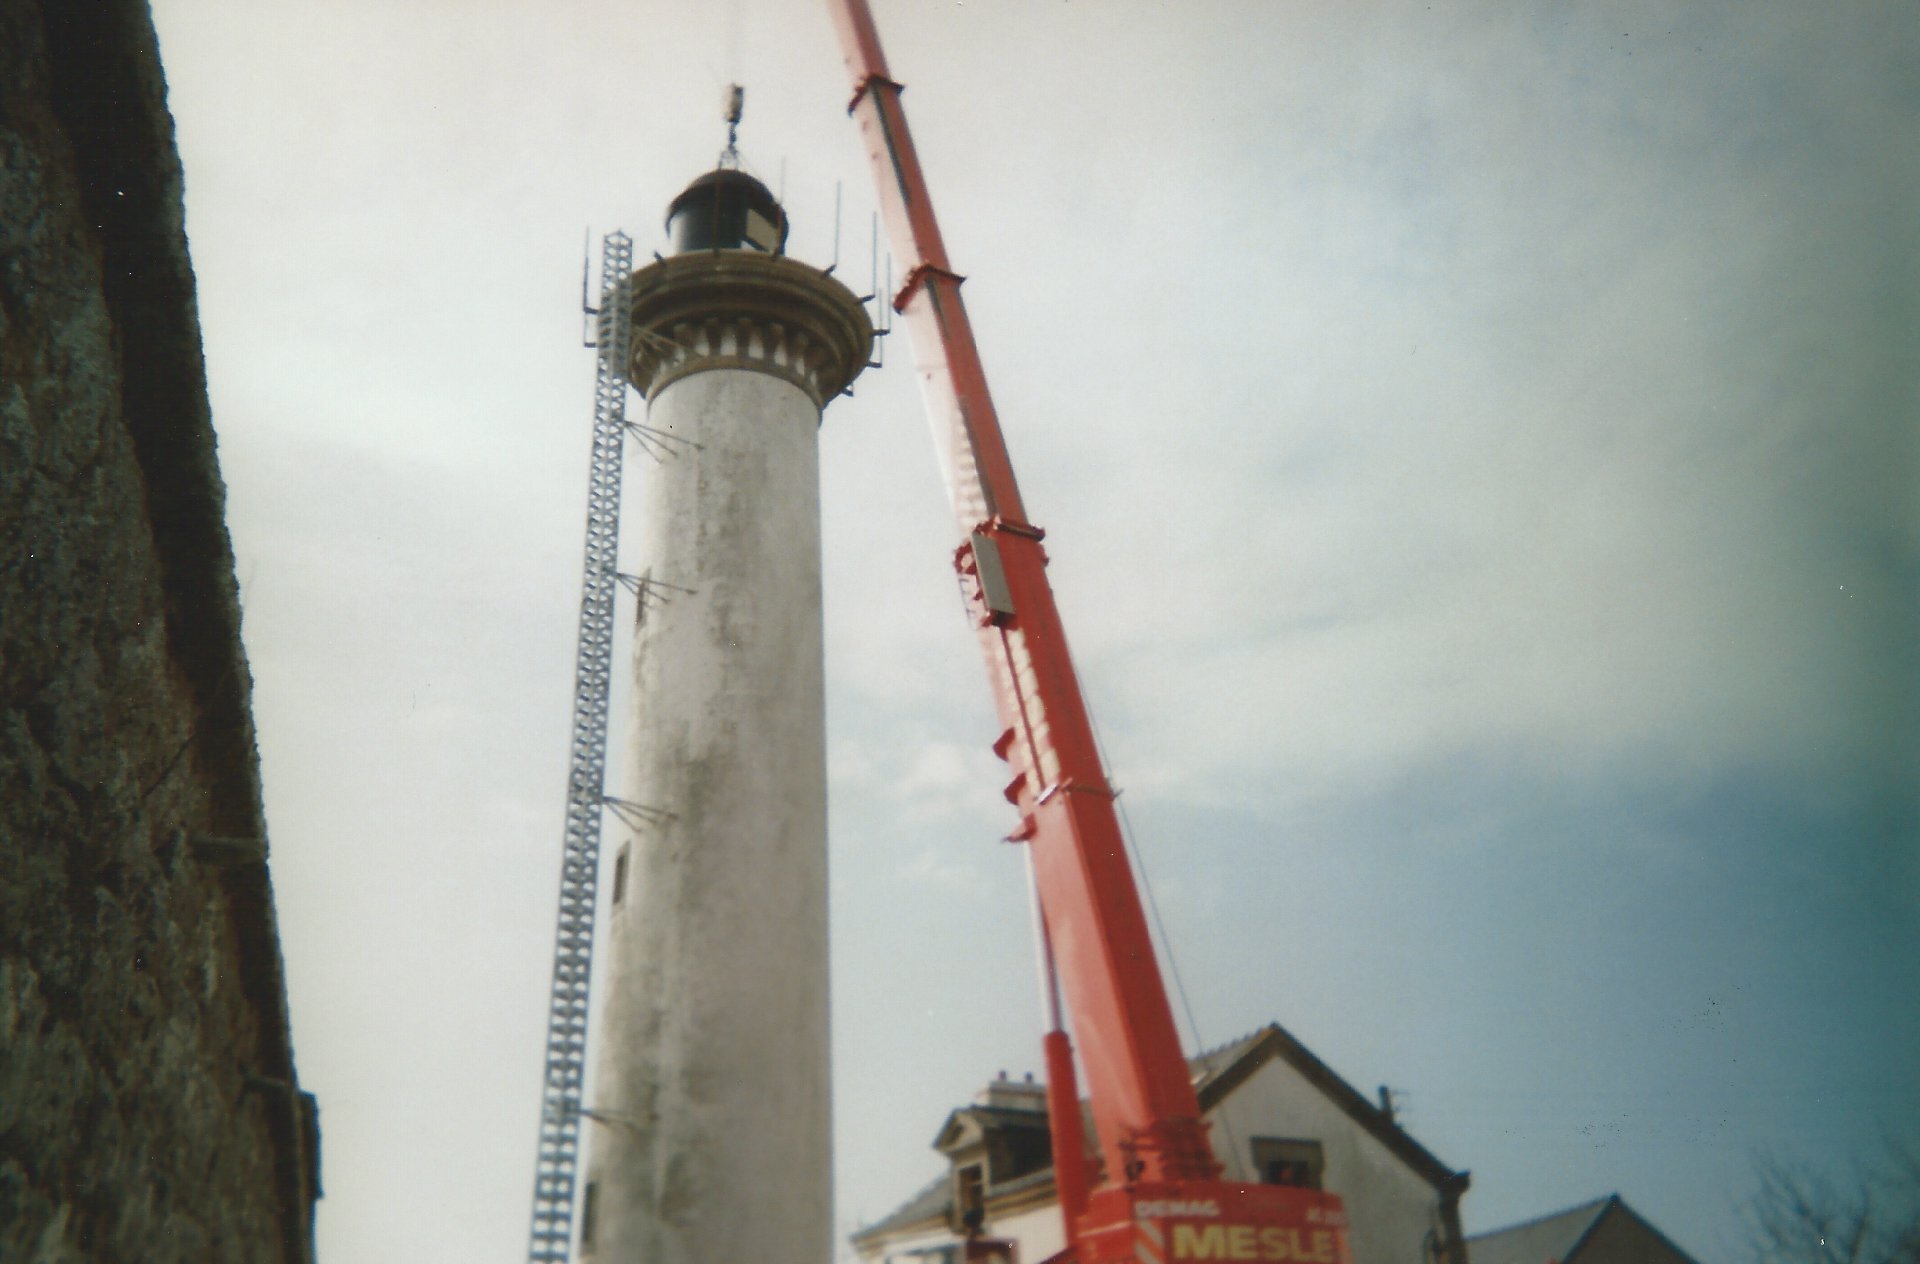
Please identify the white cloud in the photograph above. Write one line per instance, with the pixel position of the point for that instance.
(936, 867)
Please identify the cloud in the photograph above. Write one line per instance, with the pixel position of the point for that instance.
(935, 867)
(1600, 410)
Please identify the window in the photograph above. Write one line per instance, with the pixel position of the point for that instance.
(620, 875)
(1287, 1161)
(760, 232)
(970, 1197)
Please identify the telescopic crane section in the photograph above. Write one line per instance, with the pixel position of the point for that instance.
(1144, 1106)
(1162, 1199)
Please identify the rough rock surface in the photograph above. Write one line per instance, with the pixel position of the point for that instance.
(148, 1105)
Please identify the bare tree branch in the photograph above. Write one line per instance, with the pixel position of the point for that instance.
(1800, 1216)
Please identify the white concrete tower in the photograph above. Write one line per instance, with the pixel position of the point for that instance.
(710, 1139)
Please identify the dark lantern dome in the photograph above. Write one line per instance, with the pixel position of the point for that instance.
(726, 209)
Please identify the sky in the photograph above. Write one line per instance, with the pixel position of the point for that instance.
(1478, 448)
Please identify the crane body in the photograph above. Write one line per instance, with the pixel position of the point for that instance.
(1160, 1199)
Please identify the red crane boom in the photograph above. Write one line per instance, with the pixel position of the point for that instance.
(1136, 1076)
(1153, 1142)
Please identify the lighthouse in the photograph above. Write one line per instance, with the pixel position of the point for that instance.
(710, 1135)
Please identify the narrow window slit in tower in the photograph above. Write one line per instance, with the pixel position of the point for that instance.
(620, 875)
(587, 1202)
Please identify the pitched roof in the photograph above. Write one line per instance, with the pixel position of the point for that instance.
(985, 1118)
(1220, 1071)
(1208, 1064)
(1550, 1239)
(1216, 1074)
(1560, 1237)
(925, 1207)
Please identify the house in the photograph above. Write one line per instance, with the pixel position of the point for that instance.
(1276, 1113)
(1605, 1231)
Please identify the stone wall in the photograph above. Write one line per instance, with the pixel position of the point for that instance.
(148, 1105)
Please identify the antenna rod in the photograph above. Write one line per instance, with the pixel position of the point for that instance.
(836, 229)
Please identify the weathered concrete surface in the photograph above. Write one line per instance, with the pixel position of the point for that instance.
(712, 1079)
(148, 1107)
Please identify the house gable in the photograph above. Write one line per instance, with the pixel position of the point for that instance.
(1538, 1241)
(1397, 1209)
(1622, 1236)
(1264, 1088)
(1605, 1231)
(1225, 1071)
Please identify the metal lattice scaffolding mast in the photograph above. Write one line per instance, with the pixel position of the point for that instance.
(550, 1237)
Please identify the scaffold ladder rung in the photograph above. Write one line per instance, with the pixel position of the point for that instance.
(549, 1239)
